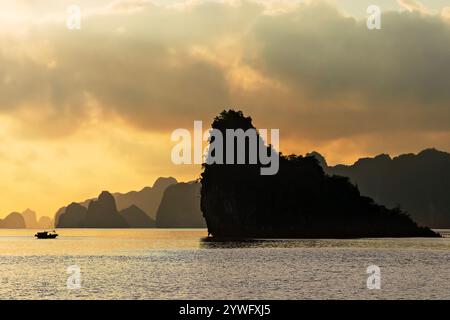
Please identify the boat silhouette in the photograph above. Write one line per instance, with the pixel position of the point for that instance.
(46, 235)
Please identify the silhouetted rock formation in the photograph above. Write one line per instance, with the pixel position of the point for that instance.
(419, 184)
(58, 214)
(136, 218)
(72, 217)
(300, 201)
(45, 223)
(147, 199)
(13, 221)
(31, 222)
(102, 213)
(29, 217)
(180, 207)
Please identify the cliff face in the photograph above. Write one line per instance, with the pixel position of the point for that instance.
(137, 218)
(300, 201)
(102, 213)
(72, 217)
(180, 207)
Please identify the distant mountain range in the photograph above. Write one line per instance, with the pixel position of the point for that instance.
(26, 219)
(167, 204)
(147, 199)
(102, 212)
(417, 183)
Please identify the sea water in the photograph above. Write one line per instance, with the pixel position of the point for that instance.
(178, 264)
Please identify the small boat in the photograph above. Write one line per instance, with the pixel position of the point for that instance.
(46, 235)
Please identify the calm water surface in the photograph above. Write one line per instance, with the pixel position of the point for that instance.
(176, 264)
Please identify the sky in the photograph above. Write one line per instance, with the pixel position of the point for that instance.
(87, 110)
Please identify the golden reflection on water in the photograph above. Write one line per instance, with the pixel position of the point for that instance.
(21, 242)
(97, 241)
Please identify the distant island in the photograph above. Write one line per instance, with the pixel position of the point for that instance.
(26, 219)
(180, 207)
(167, 204)
(418, 183)
(300, 201)
(147, 200)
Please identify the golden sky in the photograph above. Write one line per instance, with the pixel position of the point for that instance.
(87, 110)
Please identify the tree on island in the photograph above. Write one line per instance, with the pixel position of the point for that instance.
(300, 201)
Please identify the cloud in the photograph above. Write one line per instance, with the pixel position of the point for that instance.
(306, 68)
(445, 13)
(413, 5)
(345, 75)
